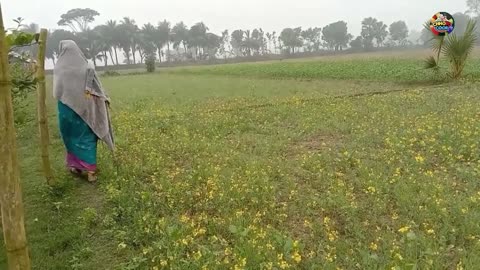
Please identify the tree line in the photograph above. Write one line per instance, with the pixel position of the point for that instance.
(164, 41)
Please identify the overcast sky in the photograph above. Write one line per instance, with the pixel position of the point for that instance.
(237, 14)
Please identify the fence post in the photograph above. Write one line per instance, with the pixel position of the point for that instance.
(10, 191)
(42, 107)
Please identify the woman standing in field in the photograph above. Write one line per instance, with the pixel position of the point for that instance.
(82, 110)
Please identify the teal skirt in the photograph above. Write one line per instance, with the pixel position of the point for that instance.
(79, 139)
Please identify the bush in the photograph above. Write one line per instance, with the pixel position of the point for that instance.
(23, 81)
(111, 73)
(150, 63)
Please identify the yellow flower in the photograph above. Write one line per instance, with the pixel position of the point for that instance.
(420, 159)
(184, 219)
(326, 220)
(373, 246)
(197, 255)
(430, 231)
(332, 236)
(404, 229)
(241, 265)
(297, 257)
(283, 265)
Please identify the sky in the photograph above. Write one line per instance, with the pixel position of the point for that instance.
(218, 15)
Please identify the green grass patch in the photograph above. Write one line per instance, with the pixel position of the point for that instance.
(375, 69)
(246, 172)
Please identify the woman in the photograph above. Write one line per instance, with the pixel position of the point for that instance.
(82, 110)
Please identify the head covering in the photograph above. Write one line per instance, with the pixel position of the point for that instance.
(76, 84)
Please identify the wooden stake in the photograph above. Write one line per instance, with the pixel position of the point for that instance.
(10, 192)
(42, 107)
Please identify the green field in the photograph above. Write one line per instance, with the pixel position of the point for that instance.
(350, 163)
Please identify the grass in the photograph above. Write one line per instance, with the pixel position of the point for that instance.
(245, 171)
(371, 69)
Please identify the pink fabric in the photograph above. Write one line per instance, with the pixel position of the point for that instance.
(74, 162)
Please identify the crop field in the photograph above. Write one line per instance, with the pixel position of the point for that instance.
(322, 164)
(394, 66)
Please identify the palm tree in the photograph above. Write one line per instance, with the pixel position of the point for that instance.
(381, 32)
(111, 32)
(148, 40)
(91, 44)
(457, 49)
(124, 41)
(153, 35)
(131, 30)
(105, 42)
(165, 35)
(274, 40)
(180, 35)
(198, 37)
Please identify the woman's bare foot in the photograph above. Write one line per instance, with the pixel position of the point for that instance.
(92, 177)
(75, 171)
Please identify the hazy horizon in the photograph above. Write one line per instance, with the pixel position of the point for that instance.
(247, 14)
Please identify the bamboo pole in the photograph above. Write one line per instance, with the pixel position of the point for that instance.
(10, 192)
(42, 107)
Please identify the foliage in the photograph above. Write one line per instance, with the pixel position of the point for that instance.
(23, 80)
(111, 73)
(78, 19)
(19, 38)
(150, 61)
(357, 43)
(375, 68)
(53, 41)
(456, 49)
(255, 173)
(474, 7)
(180, 35)
(293, 179)
(312, 38)
(368, 32)
(461, 21)
(291, 38)
(372, 29)
(237, 42)
(336, 35)
(129, 29)
(381, 33)
(21, 64)
(399, 32)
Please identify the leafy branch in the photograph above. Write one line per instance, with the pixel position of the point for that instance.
(457, 50)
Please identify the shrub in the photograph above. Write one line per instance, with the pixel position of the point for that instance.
(23, 80)
(111, 73)
(150, 62)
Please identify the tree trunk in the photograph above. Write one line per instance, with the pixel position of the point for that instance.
(168, 51)
(133, 54)
(141, 56)
(94, 61)
(42, 107)
(159, 55)
(127, 55)
(111, 55)
(105, 58)
(10, 191)
(53, 61)
(116, 55)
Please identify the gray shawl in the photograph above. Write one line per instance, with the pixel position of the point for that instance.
(76, 85)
